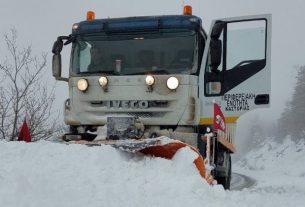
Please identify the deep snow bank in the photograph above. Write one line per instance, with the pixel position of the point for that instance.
(49, 174)
(281, 158)
(279, 169)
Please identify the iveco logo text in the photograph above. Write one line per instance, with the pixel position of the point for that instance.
(127, 104)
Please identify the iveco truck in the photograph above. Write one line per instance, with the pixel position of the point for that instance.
(163, 74)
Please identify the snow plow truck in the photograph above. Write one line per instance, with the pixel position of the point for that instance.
(138, 83)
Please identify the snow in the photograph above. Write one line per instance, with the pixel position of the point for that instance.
(54, 174)
(279, 169)
(166, 140)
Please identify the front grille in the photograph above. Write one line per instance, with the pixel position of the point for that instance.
(142, 114)
(158, 104)
(118, 104)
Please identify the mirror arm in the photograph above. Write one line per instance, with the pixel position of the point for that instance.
(56, 50)
(58, 45)
(61, 38)
(68, 39)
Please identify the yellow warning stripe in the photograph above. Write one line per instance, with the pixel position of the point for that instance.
(209, 121)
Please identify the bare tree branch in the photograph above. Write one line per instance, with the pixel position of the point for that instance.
(23, 93)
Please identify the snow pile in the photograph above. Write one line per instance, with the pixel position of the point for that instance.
(284, 158)
(279, 170)
(50, 174)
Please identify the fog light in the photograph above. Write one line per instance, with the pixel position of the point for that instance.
(82, 84)
(172, 83)
(149, 80)
(103, 81)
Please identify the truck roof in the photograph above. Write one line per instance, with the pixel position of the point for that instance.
(137, 24)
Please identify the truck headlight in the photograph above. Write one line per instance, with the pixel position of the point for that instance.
(149, 80)
(172, 83)
(82, 84)
(103, 81)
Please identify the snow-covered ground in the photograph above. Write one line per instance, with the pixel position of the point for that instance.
(51, 174)
(279, 171)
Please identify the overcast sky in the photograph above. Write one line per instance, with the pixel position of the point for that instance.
(39, 23)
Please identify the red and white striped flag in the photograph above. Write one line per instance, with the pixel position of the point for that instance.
(219, 122)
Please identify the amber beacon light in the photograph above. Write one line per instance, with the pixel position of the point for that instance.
(90, 15)
(187, 10)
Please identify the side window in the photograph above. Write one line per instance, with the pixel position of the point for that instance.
(237, 52)
(215, 61)
(246, 42)
(81, 56)
(213, 88)
(84, 57)
(219, 40)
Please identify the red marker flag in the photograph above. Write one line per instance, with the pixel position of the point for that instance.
(24, 133)
(219, 119)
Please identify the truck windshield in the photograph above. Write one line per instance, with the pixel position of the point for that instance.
(160, 53)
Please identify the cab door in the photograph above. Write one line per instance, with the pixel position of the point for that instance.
(235, 71)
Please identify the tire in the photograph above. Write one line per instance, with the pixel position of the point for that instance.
(201, 145)
(223, 177)
(226, 181)
(85, 136)
(73, 130)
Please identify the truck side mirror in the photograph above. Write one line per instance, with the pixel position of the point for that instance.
(215, 54)
(56, 67)
(56, 61)
(57, 46)
(217, 30)
(216, 46)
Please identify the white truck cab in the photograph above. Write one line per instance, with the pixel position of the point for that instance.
(166, 73)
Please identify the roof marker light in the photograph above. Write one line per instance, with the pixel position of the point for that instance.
(75, 26)
(187, 10)
(90, 15)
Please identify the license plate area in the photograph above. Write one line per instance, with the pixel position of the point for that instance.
(121, 128)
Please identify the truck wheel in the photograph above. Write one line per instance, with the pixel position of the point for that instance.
(73, 130)
(201, 145)
(226, 180)
(84, 136)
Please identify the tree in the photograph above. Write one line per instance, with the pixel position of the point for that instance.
(255, 131)
(23, 92)
(292, 119)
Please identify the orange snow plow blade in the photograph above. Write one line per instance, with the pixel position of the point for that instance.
(167, 151)
(158, 147)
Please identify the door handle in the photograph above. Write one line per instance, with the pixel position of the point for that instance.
(262, 99)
